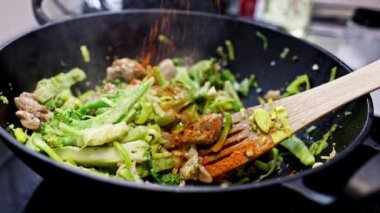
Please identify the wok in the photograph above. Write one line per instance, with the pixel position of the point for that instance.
(54, 48)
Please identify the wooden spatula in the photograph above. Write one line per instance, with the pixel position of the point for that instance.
(242, 144)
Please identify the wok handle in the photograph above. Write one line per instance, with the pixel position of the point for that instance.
(365, 182)
(301, 188)
(38, 12)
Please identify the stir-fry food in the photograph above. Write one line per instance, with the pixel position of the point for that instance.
(173, 123)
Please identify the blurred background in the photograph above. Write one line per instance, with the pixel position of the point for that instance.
(349, 29)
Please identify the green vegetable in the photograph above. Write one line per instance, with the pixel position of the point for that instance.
(298, 85)
(63, 100)
(163, 118)
(285, 53)
(347, 113)
(170, 179)
(221, 104)
(183, 77)
(41, 145)
(137, 133)
(4, 99)
(298, 148)
(201, 70)
(263, 39)
(311, 129)
(244, 87)
(245, 180)
(162, 164)
(121, 108)
(149, 166)
(20, 134)
(166, 119)
(178, 62)
(85, 54)
(226, 129)
(230, 50)
(30, 142)
(262, 119)
(333, 73)
(60, 134)
(146, 111)
(227, 75)
(104, 156)
(253, 81)
(280, 135)
(95, 104)
(280, 112)
(127, 174)
(230, 89)
(317, 147)
(159, 78)
(86, 96)
(262, 165)
(164, 39)
(216, 80)
(270, 167)
(49, 88)
(203, 91)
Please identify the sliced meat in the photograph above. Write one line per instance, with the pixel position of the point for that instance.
(167, 69)
(203, 175)
(189, 170)
(32, 114)
(205, 131)
(28, 120)
(125, 69)
(192, 170)
(273, 94)
(170, 140)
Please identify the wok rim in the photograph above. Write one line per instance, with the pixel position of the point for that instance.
(11, 142)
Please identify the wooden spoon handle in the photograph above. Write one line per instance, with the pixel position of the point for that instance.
(308, 106)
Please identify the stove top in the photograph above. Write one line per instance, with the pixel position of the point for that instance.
(22, 190)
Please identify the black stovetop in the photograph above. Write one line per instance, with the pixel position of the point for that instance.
(22, 190)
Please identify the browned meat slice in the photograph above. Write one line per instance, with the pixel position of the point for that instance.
(125, 69)
(167, 69)
(205, 131)
(32, 114)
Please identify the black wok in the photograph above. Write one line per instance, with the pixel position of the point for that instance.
(54, 48)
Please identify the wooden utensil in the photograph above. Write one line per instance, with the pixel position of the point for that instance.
(242, 143)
